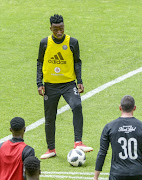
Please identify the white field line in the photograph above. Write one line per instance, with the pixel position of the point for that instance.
(73, 173)
(70, 177)
(86, 96)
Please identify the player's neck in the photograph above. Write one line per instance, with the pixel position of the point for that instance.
(126, 114)
(18, 137)
(58, 41)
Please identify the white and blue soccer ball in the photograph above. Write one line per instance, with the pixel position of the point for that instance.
(76, 157)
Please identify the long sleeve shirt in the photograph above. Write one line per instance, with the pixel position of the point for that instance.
(125, 137)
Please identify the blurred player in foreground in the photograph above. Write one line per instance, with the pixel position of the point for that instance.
(32, 168)
(125, 136)
(14, 151)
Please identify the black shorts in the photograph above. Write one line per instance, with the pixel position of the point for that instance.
(112, 177)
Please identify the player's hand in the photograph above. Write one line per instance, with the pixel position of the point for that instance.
(80, 88)
(41, 90)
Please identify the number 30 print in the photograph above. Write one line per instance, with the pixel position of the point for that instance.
(127, 148)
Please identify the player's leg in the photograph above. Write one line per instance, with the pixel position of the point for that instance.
(50, 110)
(51, 99)
(72, 97)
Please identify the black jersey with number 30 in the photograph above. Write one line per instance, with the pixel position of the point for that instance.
(125, 136)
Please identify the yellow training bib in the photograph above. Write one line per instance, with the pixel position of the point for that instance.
(58, 65)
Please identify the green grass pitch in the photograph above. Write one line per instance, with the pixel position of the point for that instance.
(109, 34)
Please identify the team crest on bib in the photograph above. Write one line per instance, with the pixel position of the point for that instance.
(65, 47)
(57, 69)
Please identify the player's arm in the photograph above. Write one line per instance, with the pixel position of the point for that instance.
(40, 85)
(78, 76)
(42, 48)
(74, 45)
(96, 176)
(104, 145)
(27, 151)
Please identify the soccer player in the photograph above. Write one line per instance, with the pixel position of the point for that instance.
(14, 151)
(125, 136)
(32, 168)
(59, 65)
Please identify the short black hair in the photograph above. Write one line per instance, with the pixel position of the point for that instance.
(32, 165)
(127, 103)
(17, 123)
(56, 19)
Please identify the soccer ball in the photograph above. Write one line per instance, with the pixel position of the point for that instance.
(76, 157)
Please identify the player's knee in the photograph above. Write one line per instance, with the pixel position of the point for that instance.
(50, 119)
(77, 108)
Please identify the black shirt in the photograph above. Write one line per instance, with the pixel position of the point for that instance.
(125, 136)
(74, 46)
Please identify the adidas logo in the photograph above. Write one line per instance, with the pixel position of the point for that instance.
(57, 59)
